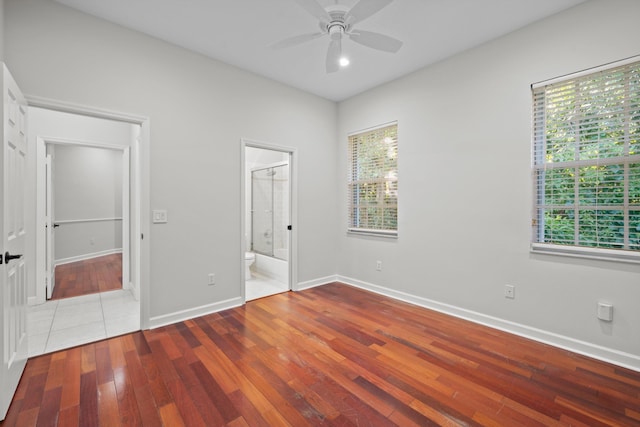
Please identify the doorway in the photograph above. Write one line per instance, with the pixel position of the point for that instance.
(88, 192)
(86, 188)
(268, 232)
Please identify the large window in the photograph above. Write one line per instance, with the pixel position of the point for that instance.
(373, 181)
(587, 163)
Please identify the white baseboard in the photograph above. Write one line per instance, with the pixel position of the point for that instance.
(203, 310)
(32, 301)
(316, 282)
(84, 257)
(615, 357)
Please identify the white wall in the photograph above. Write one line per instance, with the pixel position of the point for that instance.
(199, 110)
(1, 30)
(87, 199)
(464, 129)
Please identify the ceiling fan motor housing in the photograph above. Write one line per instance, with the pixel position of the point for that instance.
(336, 27)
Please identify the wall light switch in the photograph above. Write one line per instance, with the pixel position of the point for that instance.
(605, 311)
(159, 216)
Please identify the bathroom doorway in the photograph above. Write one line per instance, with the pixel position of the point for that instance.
(268, 220)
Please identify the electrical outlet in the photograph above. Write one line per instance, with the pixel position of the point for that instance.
(379, 265)
(509, 291)
(212, 279)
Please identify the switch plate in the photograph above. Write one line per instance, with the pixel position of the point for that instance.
(379, 265)
(509, 291)
(212, 279)
(605, 311)
(159, 216)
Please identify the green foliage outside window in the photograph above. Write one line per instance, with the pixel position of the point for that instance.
(587, 160)
(373, 180)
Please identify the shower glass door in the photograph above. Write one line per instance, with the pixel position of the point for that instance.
(270, 211)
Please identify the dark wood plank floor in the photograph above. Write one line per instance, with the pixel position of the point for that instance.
(332, 355)
(90, 276)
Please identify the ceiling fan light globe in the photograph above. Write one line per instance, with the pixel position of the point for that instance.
(336, 31)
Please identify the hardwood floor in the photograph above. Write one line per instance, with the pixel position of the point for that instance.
(90, 276)
(331, 355)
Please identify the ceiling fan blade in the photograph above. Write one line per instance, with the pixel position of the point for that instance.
(315, 9)
(333, 55)
(296, 40)
(376, 41)
(364, 9)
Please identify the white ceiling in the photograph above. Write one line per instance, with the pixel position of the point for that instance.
(239, 32)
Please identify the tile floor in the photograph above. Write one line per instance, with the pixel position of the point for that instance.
(68, 322)
(260, 286)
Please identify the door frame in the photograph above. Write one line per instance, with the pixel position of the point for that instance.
(140, 191)
(293, 195)
(42, 240)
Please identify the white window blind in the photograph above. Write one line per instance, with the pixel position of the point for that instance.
(373, 181)
(586, 164)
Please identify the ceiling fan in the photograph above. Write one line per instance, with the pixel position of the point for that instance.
(337, 24)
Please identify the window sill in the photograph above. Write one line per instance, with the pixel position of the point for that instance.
(587, 253)
(372, 233)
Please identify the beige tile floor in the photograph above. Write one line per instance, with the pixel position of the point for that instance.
(68, 322)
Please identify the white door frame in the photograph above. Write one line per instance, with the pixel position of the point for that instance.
(42, 241)
(293, 182)
(49, 228)
(140, 192)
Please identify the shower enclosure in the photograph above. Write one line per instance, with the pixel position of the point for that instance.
(270, 211)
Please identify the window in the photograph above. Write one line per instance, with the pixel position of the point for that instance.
(373, 181)
(586, 163)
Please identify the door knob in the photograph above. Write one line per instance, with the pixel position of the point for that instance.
(8, 257)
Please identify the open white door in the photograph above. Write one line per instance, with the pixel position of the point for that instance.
(13, 275)
(49, 228)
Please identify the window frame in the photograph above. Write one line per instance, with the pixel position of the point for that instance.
(353, 223)
(539, 167)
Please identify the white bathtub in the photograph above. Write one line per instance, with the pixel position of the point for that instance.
(274, 268)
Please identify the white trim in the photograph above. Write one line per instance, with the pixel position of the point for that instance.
(316, 282)
(81, 143)
(75, 221)
(203, 310)
(586, 71)
(618, 255)
(85, 257)
(608, 355)
(85, 110)
(389, 234)
(372, 128)
(126, 217)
